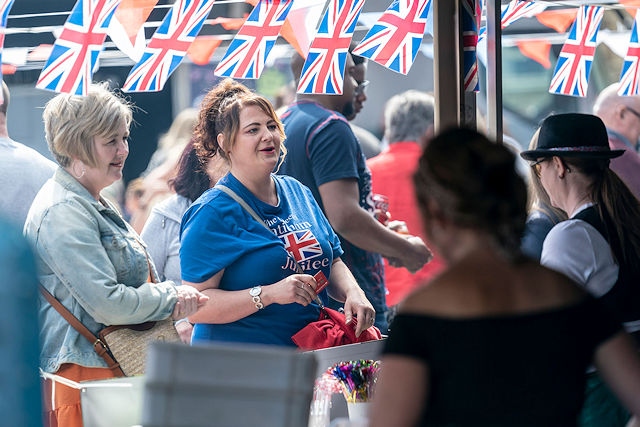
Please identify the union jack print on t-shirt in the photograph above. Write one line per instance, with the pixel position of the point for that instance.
(302, 245)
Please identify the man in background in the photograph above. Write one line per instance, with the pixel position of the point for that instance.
(371, 145)
(408, 119)
(325, 155)
(621, 116)
(23, 171)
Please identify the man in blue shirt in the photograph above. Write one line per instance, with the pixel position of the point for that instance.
(325, 155)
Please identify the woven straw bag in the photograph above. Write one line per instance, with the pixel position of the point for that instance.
(128, 343)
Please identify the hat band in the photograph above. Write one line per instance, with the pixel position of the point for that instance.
(587, 148)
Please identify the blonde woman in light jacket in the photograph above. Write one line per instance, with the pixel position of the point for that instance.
(88, 257)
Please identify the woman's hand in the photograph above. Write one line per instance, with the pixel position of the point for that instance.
(357, 305)
(298, 288)
(184, 329)
(189, 301)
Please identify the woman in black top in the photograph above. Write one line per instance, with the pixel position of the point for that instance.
(496, 339)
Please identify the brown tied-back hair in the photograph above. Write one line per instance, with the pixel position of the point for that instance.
(475, 183)
(220, 114)
(618, 208)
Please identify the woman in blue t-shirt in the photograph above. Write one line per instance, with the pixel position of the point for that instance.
(247, 266)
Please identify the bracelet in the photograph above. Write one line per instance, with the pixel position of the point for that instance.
(177, 322)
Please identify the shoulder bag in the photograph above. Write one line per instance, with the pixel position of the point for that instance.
(123, 347)
(330, 329)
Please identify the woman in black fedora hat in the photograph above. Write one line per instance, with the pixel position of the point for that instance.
(599, 245)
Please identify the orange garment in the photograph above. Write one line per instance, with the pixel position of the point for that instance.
(66, 410)
(392, 175)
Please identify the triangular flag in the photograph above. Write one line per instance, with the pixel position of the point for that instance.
(202, 49)
(8, 69)
(248, 51)
(538, 50)
(571, 76)
(75, 53)
(630, 74)
(559, 19)
(631, 6)
(126, 29)
(168, 46)
(323, 70)
(15, 55)
(300, 27)
(395, 39)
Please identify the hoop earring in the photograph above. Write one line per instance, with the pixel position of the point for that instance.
(82, 172)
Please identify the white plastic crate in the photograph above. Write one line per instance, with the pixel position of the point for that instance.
(114, 402)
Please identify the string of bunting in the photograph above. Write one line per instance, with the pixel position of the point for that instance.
(392, 41)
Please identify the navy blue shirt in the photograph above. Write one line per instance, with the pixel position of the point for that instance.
(321, 147)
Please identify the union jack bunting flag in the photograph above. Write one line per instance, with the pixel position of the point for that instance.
(323, 70)
(5, 7)
(515, 10)
(470, 23)
(395, 39)
(630, 75)
(74, 56)
(168, 46)
(247, 53)
(572, 71)
(303, 245)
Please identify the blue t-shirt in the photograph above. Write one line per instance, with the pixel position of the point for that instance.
(321, 147)
(217, 233)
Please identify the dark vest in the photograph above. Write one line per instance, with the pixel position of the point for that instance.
(623, 299)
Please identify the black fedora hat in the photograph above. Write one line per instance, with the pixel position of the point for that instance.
(572, 135)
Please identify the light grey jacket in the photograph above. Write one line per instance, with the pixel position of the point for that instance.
(161, 233)
(95, 264)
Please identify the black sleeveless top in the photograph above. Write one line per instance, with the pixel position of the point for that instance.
(623, 299)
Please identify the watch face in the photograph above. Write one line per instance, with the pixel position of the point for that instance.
(255, 291)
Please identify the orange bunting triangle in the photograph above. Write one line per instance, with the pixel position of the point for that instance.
(8, 69)
(538, 50)
(132, 14)
(289, 35)
(559, 20)
(202, 49)
(632, 6)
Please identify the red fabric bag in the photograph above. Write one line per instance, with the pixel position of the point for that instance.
(332, 330)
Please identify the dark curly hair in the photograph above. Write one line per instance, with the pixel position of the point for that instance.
(220, 114)
(475, 183)
(192, 179)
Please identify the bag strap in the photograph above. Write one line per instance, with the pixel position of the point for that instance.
(98, 346)
(255, 216)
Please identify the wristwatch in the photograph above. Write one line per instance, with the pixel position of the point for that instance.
(255, 296)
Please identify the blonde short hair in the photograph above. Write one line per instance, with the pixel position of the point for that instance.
(71, 122)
